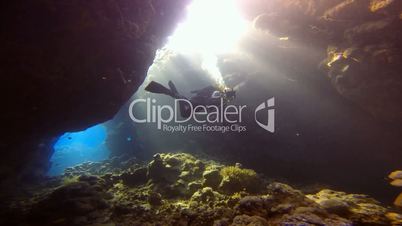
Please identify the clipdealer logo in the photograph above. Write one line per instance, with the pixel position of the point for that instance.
(268, 106)
(210, 118)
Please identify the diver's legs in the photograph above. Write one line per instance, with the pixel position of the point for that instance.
(155, 87)
(173, 88)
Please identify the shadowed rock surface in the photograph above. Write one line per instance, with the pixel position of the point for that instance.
(169, 199)
(362, 40)
(68, 65)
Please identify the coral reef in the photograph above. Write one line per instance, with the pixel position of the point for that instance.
(359, 208)
(180, 189)
(236, 179)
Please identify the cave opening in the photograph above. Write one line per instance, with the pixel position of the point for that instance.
(312, 86)
(73, 148)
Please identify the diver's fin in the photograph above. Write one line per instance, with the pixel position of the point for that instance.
(155, 87)
(173, 88)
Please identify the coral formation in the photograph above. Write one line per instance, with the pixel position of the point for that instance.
(236, 179)
(173, 189)
(359, 208)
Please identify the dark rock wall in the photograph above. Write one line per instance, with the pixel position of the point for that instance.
(67, 65)
(362, 40)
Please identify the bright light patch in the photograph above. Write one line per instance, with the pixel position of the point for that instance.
(212, 26)
(75, 148)
(210, 65)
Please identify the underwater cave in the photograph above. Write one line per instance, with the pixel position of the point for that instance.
(75, 148)
(202, 112)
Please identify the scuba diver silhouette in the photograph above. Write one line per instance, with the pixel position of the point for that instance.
(209, 95)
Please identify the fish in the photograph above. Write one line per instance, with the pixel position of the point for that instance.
(398, 201)
(395, 175)
(396, 183)
(395, 217)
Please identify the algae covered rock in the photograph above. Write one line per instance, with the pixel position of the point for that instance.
(252, 205)
(169, 168)
(236, 179)
(178, 196)
(359, 208)
(310, 219)
(212, 178)
(282, 199)
(155, 199)
(90, 179)
(175, 174)
(335, 206)
(205, 195)
(249, 220)
(72, 203)
(139, 176)
(160, 171)
(194, 186)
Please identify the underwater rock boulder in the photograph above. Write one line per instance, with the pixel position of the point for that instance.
(205, 195)
(284, 205)
(348, 12)
(185, 175)
(155, 199)
(282, 198)
(370, 77)
(363, 65)
(139, 176)
(281, 190)
(175, 175)
(235, 179)
(244, 219)
(91, 168)
(90, 179)
(358, 208)
(171, 167)
(335, 206)
(194, 186)
(110, 179)
(212, 178)
(310, 219)
(72, 202)
(160, 171)
(368, 72)
(107, 199)
(253, 206)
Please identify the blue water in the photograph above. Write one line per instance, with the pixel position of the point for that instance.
(78, 147)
